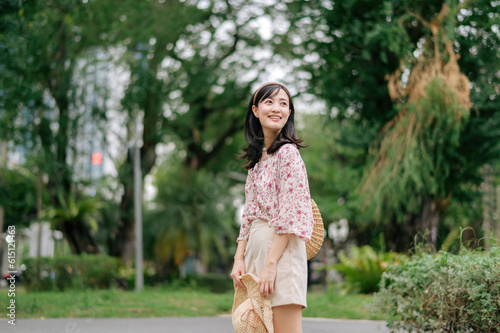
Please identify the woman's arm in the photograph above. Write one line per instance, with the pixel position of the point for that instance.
(239, 265)
(268, 276)
(295, 210)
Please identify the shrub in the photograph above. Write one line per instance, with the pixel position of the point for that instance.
(216, 283)
(443, 292)
(74, 272)
(363, 268)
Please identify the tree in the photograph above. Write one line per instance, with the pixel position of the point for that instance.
(42, 42)
(417, 144)
(355, 46)
(185, 79)
(191, 217)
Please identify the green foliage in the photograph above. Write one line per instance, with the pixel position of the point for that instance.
(212, 282)
(363, 268)
(70, 272)
(348, 50)
(18, 197)
(415, 153)
(44, 45)
(77, 219)
(216, 283)
(334, 161)
(82, 210)
(185, 66)
(191, 66)
(358, 42)
(443, 292)
(41, 42)
(194, 215)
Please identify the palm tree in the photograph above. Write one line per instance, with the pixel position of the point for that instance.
(77, 220)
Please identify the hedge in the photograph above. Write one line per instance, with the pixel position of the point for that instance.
(70, 272)
(443, 293)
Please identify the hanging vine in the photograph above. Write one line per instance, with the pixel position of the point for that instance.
(410, 155)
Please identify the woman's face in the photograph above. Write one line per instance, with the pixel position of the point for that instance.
(273, 112)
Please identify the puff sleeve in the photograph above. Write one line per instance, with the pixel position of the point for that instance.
(294, 198)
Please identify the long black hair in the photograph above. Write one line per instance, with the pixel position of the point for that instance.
(253, 129)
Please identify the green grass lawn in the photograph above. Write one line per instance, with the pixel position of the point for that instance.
(166, 302)
(333, 305)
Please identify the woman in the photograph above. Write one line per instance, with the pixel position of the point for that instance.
(277, 218)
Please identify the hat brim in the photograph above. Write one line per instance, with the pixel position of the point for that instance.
(251, 282)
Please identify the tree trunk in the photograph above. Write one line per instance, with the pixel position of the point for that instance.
(121, 243)
(39, 188)
(488, 204)
(60, 177)
(497, 222)
(398, 236)
(429, 221)
(401, 236)
(79, 237)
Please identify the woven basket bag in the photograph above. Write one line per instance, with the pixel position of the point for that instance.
(318, 235)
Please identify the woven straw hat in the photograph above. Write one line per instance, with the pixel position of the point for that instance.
(251, 312)
(318, 235)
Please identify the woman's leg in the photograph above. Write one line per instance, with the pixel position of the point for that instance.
(287, 318)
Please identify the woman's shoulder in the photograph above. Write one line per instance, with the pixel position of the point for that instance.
(288, 149)
(289, 152)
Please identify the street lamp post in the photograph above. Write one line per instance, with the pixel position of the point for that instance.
(136, 155)
(139, 275)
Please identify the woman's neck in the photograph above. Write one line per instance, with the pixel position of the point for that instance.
(269, 138)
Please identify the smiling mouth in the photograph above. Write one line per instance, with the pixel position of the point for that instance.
(275, 117)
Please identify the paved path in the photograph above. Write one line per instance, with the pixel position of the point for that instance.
(175, 325)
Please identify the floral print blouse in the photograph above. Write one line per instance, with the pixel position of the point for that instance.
(277, 190)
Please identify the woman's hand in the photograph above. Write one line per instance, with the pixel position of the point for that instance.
(267, 279)
(238, 271)
(268, 276)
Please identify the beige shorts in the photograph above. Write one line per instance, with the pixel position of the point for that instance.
(291, 278)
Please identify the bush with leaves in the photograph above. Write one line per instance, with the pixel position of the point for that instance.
(70, 272)
(363, 267)
(443, 292)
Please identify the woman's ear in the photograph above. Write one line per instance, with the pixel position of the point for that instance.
(254, 109)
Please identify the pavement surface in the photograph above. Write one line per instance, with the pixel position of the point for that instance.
(220, 324)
